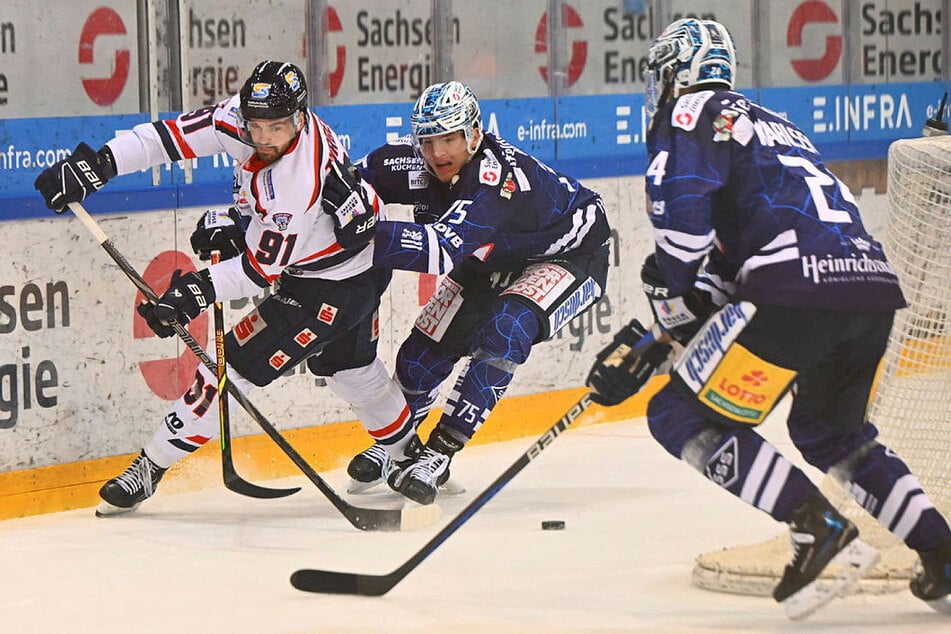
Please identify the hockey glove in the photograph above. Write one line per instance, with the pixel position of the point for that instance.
(623, 367)
(220, 230)
(680, 315)
(348, 205)
(187, 296)
(75, 177)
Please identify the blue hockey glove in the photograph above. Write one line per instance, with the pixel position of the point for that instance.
(220, 230)
(187, 296)
(346, 202)
(623, 367)
(75, 177)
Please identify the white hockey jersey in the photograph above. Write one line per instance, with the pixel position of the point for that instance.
(289, 232)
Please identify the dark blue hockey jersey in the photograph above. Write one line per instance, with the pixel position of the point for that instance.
(734, 181)
(504, 207)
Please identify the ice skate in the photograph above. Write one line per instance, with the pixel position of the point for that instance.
(932, 581)
(420, 480)
(367, 468)
(127, 491)
(821, 536)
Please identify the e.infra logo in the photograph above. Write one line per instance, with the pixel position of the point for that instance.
(579, 48)
(807, 13)
(104, 91)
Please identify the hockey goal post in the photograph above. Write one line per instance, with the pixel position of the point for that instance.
(912, 402)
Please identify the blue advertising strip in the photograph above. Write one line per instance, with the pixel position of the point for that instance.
(585, 136)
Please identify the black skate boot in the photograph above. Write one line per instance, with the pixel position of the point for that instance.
(932, 581)
(367, 468)
(126, 492)
(821, 536)
(420, 480)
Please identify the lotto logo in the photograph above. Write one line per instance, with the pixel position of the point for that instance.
(327, 313)
(248, 327)
(278, 360)
(305, 337)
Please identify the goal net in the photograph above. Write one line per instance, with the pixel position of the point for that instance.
(912, 402)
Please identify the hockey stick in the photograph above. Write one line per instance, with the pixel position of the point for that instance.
(330, 582)
(233, 481)
(362, 518)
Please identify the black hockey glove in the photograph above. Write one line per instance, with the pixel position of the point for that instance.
(623, 367)
(348, 205)
(75, 177)
(680, 315)
(187, 296)
(220, 230)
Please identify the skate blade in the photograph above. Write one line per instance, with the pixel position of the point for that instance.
(942, 605)
(451, 487)
(356, 487)
(106, 510)
(856, 560)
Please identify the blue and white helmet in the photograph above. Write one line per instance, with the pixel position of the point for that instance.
(443, 108)
(689, 52)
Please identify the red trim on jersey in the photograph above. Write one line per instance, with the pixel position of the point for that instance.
(257, 267)
(198, 440)
(333, 248)
(187, 151)
(393, 427)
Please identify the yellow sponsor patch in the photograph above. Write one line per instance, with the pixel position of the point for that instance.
(744, 387)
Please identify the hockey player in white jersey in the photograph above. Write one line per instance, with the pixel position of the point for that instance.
(764, 269)
(326, 293)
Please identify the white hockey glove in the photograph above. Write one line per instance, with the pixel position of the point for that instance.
(623, 367)
(75, 177)
(346, 202)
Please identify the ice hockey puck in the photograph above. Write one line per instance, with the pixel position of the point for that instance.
(553, 525)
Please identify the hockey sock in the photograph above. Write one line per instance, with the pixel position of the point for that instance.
(745, 464)
(378, 403)
(884, 486)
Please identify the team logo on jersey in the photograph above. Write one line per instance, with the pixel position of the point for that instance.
(723, 125)
(247, 328)
(282, 220)
(508, 187)
(542, 284)
(305, 337)
(327, 313)
(278, 360)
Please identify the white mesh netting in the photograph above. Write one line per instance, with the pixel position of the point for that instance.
(912, 404)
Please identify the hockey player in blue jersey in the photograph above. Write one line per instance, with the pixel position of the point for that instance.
(764, 270)
(524, 249)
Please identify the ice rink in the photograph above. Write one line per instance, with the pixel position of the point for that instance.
(215, 562)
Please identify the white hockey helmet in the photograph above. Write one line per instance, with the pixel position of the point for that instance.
(444, 108)
(689, 52)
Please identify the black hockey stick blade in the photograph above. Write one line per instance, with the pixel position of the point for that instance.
(233, 481)
(362, 518)
(330, 582)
